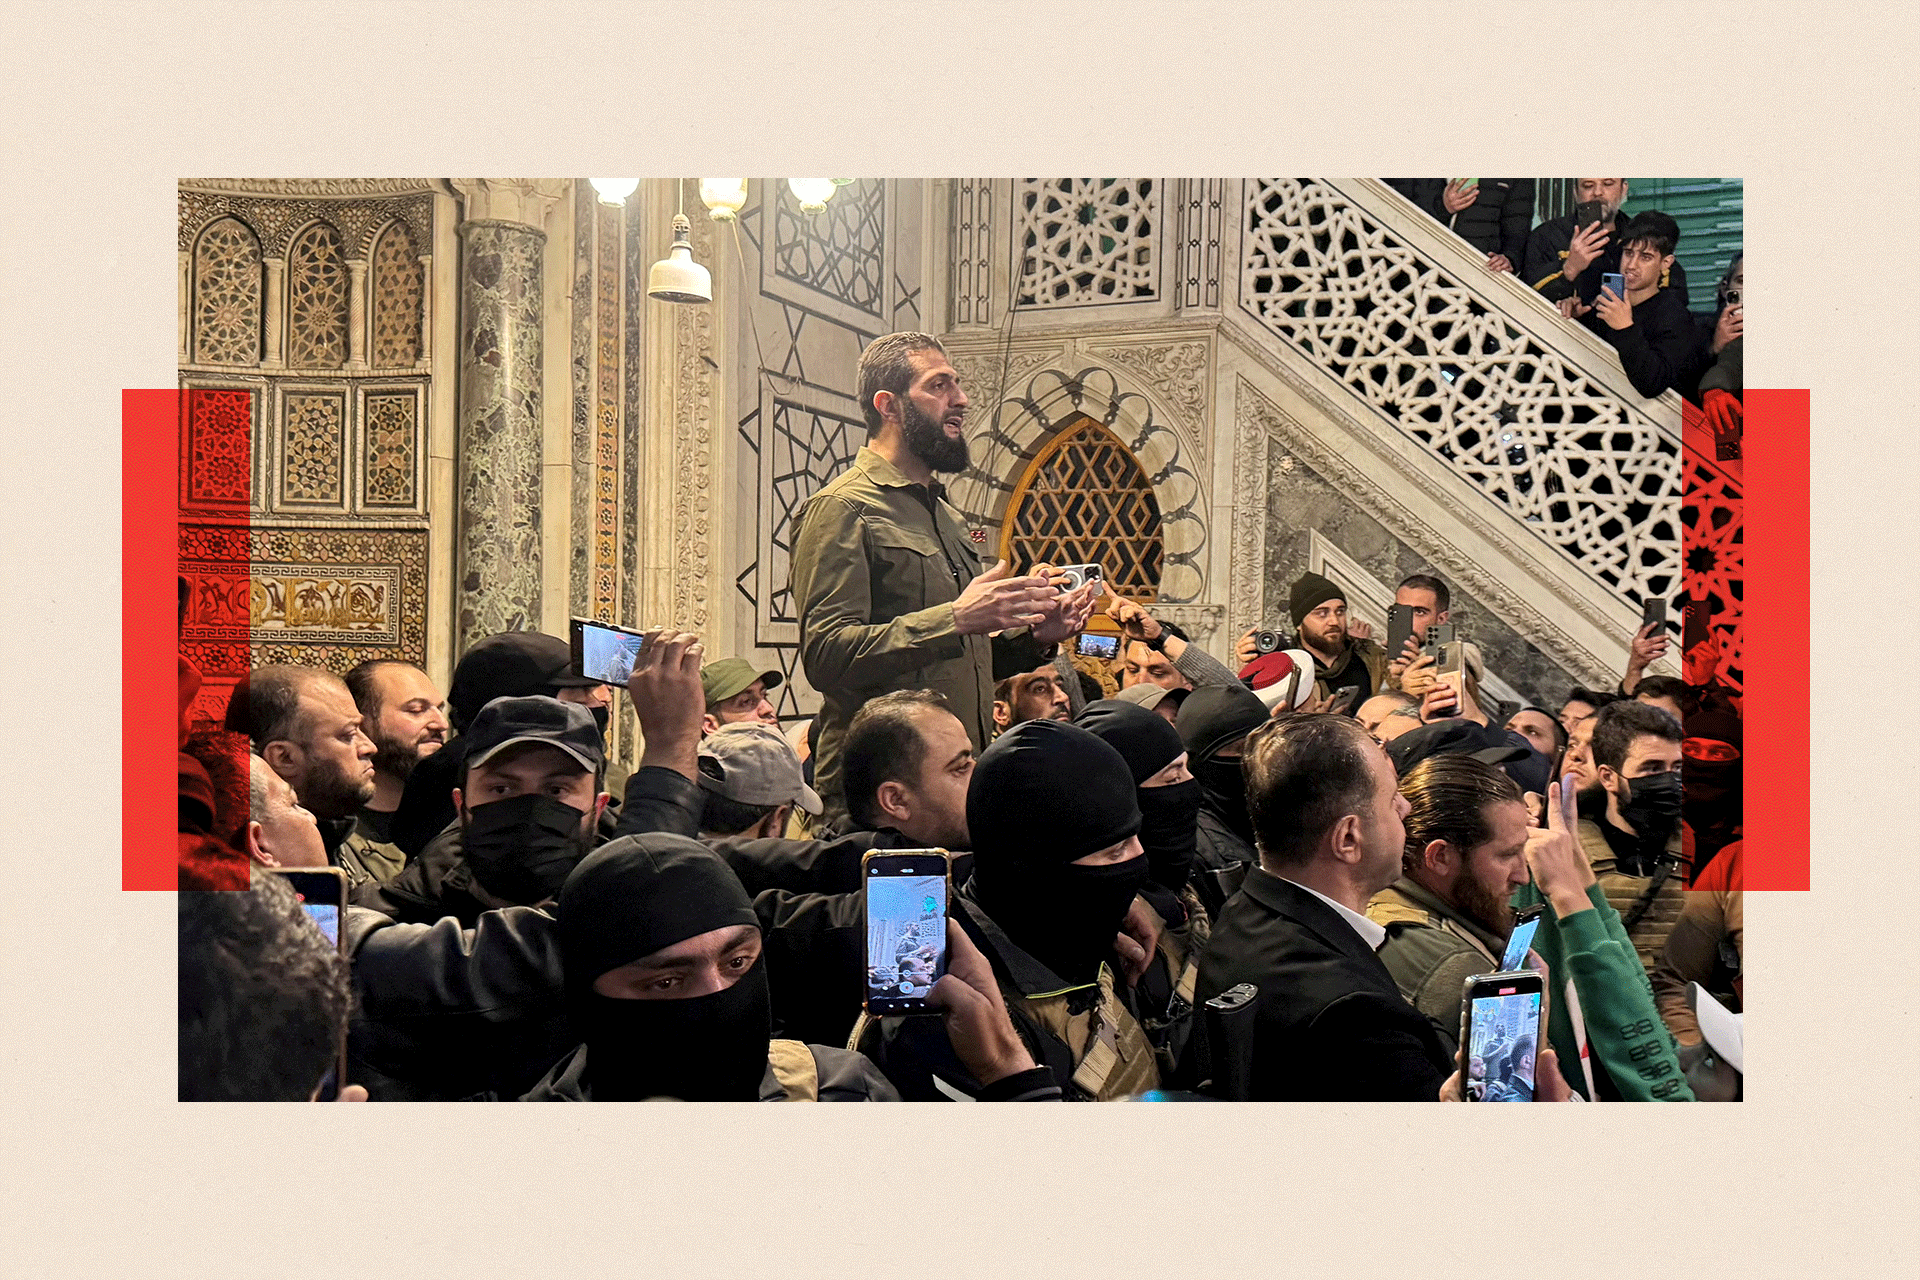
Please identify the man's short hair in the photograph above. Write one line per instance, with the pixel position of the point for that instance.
(886, 365)
(225, 757)
(1427, 582)
(1003, 692)
(1619, 723)
(262, 996)
(1654, 229)
(884, 745)
(1592, 697)
(364, 684)
(1303, 774)
(1664, 687)
(266, 703)
(1450, 795)
(1559, 730)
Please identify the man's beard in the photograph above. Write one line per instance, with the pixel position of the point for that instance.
(1486, 909)
(394, 758)
(1590, 801)
(329, 793)
(926, 439)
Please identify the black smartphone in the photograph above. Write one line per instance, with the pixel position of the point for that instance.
(323, 896)
(1500, 1027)
(1693, 628)
(1614, 283)
(906, 908)
(1093, 644)
(602, 651)
(1399, 630)
(1526, 922)
(1588, 212)
(1341, 701)
(1653, 613)
(1440, 633)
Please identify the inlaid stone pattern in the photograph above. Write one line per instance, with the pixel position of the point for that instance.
(313, 437)
(839, 251)
(1086, 240)
(398, 286)
(392, 434)
(226, 288)
(1299, 500)
(217, 457)
(498, 470)
(316, 300)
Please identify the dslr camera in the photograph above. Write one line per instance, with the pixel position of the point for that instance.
(1078, 575)
(1268, 642)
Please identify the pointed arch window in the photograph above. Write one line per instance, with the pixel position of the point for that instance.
(316, 300)
(397, 289)
(226, 295)
(1084, 500)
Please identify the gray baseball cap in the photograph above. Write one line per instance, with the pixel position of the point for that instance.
(1149, 695)
(756, 767)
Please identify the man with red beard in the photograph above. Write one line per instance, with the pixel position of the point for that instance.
(1343, 652)
(1447, 917)
(887, 585)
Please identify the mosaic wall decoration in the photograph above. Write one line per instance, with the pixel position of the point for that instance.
(392, 434)
(226, 295)
(316, 300)
(216, 454)
(399, 285)
(335, 597)
(312, 442)
(1086, 240)
(606, 442)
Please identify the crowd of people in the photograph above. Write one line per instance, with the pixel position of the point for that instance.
(1170, 878)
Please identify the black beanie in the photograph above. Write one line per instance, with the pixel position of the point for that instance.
(1049, 792)
(514, 664)
(635, 895)
(1719, 726)
(1145, 739)
(1309, 594)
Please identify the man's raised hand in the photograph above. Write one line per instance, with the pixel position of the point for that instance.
(997, 601)
(668, 700)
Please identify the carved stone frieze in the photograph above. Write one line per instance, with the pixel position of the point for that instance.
(274, 220)
(693, 449)
(1176, 371)
(328, 187)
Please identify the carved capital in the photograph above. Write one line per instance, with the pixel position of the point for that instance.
(524, 200)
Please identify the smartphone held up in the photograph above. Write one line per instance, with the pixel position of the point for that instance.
(1500, 1029)
(905, 895)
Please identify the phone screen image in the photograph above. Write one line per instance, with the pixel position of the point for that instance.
(608, 655)
(1501, 1048)
(1517, 944)
(1093, 645)
(906, 939)
(320, 894)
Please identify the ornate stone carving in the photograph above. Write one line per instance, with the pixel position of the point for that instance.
(839, 252)
(274, 220)
(693, 449)
(1258, 419)
(312, 438)
(606, 458)
(317, 300)
(1201, 203)
(217, 460)
(972, 238)
(1086, 240)
(399, 286)
(1714, 539)
(331, 187)
(986, 377)
(392, 433)
(1177, 371)
(226, 295)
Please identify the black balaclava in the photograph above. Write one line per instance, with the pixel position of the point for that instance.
(522, 848)
(1148, 743)
(1043, 795)
(1211, 718)
(631, 898)
(1713, 791)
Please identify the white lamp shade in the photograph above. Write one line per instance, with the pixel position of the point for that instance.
(677, 277)
(614, 190)
(812, 193)
(724, 197)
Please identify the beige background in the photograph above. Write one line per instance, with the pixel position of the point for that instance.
(107, 105)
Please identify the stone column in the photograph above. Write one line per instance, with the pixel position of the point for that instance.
(186, 295)
(356, 313)
(276, 353)
(497, 479)
(423, 359)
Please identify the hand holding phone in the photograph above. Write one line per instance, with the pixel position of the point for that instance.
(1526, 922)
(905, 895)
(1094, 644)
(982, 1034)
(604, 652)
(1500, 1028)
(1614, 283)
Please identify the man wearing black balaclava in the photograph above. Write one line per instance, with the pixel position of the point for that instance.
(1213, 723)
(527, 806)
(1056, 864)
(664, 983)
(1635, 846)
(516, 664)
(1714, 802)
(1169, 799)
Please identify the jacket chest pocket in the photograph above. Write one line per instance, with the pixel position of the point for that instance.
(909, 570)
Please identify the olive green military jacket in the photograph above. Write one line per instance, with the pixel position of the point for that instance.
(877, 563)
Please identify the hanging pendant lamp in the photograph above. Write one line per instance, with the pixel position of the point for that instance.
(677, 277)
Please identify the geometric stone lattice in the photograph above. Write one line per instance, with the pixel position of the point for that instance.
(226, 296)
(838, 251)
(219, 453)
(1593, 476)
(397, 289)
(804, 448)
(1713, 539)
(390, 445)
(1086, 501)
(1085, 240)
(316, 300)
(312, 437)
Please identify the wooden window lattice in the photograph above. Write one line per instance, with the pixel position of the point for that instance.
(1084, 500)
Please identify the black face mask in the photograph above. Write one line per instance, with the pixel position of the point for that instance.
(522, 848)
(1065, 915)
(1713, 793)
(602, 716)
(1224, 791)
(1167, 831)
(1653, 804)
(712, 1048)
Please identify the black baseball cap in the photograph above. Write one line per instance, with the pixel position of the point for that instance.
(514, 664)
(506, 722)
(1455, 737)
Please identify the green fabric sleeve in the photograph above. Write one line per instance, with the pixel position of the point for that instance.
(1624, 1029)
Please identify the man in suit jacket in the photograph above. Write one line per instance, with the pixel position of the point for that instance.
(1329, 1022)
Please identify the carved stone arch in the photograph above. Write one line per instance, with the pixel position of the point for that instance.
(1025, 421)
(397, 281)
(317, 296)
(226, 293)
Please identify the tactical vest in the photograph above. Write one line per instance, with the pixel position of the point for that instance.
(794, 1067)
(1179, 949)
(1111, 1054)
(1649, 906)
